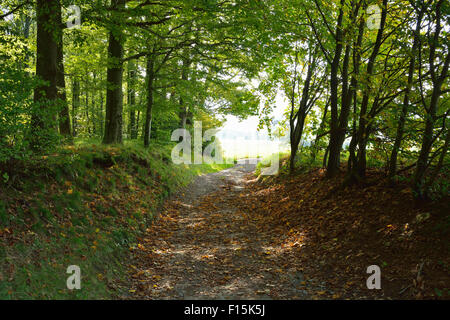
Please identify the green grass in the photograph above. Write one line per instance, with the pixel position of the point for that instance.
(83, 205)
(283, 157)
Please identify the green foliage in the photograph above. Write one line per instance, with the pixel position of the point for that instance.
(15, 99)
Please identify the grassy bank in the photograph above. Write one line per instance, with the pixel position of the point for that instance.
(84, 205)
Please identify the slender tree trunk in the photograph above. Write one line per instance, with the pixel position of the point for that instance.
(138, 116)
(148, 115)
(333, 147)
(437, 80)
(101, 115)
(348, 89)
(64, 117)
(183, 113)
(440, 163)
(132, 99)
(353, 91)
(292, 117)
(358, 171)
(427, 140)
(346, 99)
(94, 110)
(319, 132)
(75, 104)
(404, 111)
(297, 119)
(325, 158)
(295, 141)
(46, 69)
(86, 101)
(114, 94)
(353, 142)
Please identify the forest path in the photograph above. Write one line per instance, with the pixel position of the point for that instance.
(203, 246)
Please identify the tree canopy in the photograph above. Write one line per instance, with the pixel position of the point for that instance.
(366, 81)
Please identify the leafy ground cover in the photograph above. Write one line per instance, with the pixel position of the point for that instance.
(337, 232)
(84, 206)
(295, 236)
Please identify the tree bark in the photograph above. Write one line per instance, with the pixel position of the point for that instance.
(353, 91)
(86, 102)
(333, 147)
(183, 113)
(64, 115)
(149, 110)
(94, 110)
(405, 106)
(440, 161)
(319, 132)
(114, 94)
(75, 104)
(358, 171)
(297, 119)
(101, 116)
(437, 80)
(46, 69)
(132, 99)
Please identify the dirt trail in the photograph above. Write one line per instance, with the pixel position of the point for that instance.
(204, 247)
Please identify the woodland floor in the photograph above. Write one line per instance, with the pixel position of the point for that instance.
(228, 236)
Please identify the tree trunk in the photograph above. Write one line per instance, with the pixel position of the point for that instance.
(359, 170)
(86, 101)
(402, 118)
(333, 147)
(319, 133)
(138, 116)
(297, 119)
(75, 104)
(64, 117)
(183, 113)
(148, 115)
(427, 141)
(46, 69)
(132, 99)
(114, 94)
(94, 111)
(353, 91)
(295, 141)
(440, 161)
(101, 117)
(437, 80)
